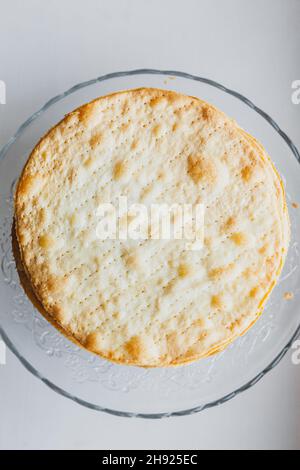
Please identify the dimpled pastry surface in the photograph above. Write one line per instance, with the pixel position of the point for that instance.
(151, 303)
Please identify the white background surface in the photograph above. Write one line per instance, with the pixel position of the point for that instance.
(46, 47)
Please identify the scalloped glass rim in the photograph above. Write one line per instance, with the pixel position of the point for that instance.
(168, 73)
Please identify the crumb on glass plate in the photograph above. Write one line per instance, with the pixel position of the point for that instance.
(289, 296)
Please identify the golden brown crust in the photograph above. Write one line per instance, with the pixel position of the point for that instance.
(135, 314)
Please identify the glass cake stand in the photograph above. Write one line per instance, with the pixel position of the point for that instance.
(130, 391)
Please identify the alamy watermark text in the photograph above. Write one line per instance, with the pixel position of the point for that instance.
(2, 92)
(296, 92)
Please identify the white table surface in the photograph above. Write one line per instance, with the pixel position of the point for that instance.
(251, 46)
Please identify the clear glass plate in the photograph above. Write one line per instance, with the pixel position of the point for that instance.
(130, 391)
